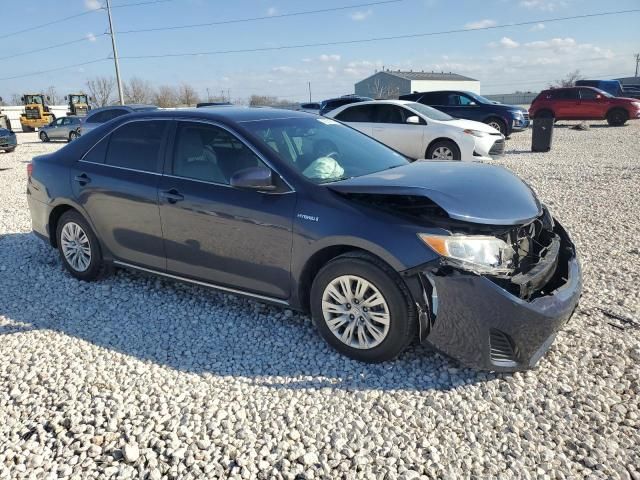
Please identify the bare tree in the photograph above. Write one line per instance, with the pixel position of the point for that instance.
(187, 95)
(268, 101)
(138, 90)
(52, 97)
(568, 81)
(101, 89)
(380, 91)
(16, 99)
(165, 96)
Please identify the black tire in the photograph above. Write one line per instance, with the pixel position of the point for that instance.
(544, 114)
(73, 135)
(9, 150)
(94, 268)
(402, 310)
(498, 124)
(617, 117)
(26, 129)
(44, 137)
(447, 144)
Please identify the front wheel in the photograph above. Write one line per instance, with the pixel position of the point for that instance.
(617, 117)
(73, 136)
(44, 137)
(443, 150)
(362, 308)
(79, 247)
(498, 124)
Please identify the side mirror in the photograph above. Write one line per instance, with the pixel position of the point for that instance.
(253, 178)
(472, 104)
(1, 99)
(22, 99)
(598, 96)
(413, 120)
(48, 98)
(65, 97)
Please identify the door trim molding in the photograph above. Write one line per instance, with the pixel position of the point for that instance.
(203, 284)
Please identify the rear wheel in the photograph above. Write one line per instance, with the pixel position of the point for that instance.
(498, 124)
(443, 150)
(73, 135)
(617, 117)
(9, 150)
(362, 308)
(44, 137)
(79, 247)
(27, 129)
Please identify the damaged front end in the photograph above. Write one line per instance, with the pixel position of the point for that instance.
(504, 318)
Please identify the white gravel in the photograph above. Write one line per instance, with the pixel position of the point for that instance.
(135, 377)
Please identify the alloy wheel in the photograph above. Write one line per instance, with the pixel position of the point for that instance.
(442, 153)
(75, 246)
(496, 125)
(356, 312)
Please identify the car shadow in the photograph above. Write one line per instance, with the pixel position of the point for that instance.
(197, 330)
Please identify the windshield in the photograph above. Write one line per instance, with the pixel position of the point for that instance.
(605, 94)
(429, 112)
(78, 99)
(479, 98)
(31, 99)
(324, 150)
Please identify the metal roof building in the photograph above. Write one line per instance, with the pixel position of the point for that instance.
(392, 83)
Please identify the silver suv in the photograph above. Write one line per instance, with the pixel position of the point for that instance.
(102, 115)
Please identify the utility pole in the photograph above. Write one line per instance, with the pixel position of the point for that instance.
(115, 53)
(637, 62)
(309, 91)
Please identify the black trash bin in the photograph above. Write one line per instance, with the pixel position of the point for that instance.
(542, 134)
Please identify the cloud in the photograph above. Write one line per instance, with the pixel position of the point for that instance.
(361, 15)
(92, 4)
(284, 69)
(271, 11)
(329, 58)
(485, 23)
(537, 27)
(545, 5)
(554, 43)
(91, 37)
(508, 43)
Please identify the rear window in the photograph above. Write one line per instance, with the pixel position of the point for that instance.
(357, 113)
(137, 145)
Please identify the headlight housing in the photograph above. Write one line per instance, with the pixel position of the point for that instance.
(477, 253)
(475, 133)
(517, 113)
(636, 104)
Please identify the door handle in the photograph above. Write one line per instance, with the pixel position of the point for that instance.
(82, 179)
(171, 196)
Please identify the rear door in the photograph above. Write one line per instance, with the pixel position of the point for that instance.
(360, 117)
(566, 104)
(392, 130)
(217, 233)
(117, 184)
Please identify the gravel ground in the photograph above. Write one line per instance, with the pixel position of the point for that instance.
(135, 377)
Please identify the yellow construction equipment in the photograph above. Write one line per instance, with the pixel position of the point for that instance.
(78, 104)
(36, 112)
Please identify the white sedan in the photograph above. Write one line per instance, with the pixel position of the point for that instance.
(419, 131)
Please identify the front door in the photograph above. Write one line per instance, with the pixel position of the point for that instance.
(117, 184)
(392, 130)
(217, 233)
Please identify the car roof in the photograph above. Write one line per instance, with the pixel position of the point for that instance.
(234, 114)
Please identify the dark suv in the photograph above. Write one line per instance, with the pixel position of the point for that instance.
(303, 211)
(504, 118)
(102, 115)
(332, 103)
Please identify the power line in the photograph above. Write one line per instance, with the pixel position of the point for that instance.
(56, 69)
(254, 19)
(41, 49)
(88, 12)
(378, 39)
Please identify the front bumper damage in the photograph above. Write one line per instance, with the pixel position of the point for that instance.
(485, 323)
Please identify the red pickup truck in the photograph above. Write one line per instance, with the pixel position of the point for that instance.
(584, 103)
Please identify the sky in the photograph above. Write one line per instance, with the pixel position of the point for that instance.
(516, 58)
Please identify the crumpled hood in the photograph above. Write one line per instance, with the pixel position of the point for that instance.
(471, 192)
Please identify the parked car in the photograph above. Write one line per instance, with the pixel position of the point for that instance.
(8, 140)
(418, 131)
(213, 104)
(612, 87)
(63, 128)
(471, 106)
(104, 114)
(312, 107)
(332, 103)
(584, 103)
(304, 212)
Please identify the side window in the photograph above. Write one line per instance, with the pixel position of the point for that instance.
(209, 153)
(66, 121)
(96, 117)
(115, 113)
(465, 101)
(568, 94)
(388, 114)
(587, 94)
(137, 145)
(97, 152)
(358, 113)
(58, 122)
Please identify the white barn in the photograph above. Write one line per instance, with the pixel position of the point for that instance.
(392, 83)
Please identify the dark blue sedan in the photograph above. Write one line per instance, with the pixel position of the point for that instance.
(504, 118)
(8, 141)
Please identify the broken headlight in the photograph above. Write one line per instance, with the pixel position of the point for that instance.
(481, 254)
